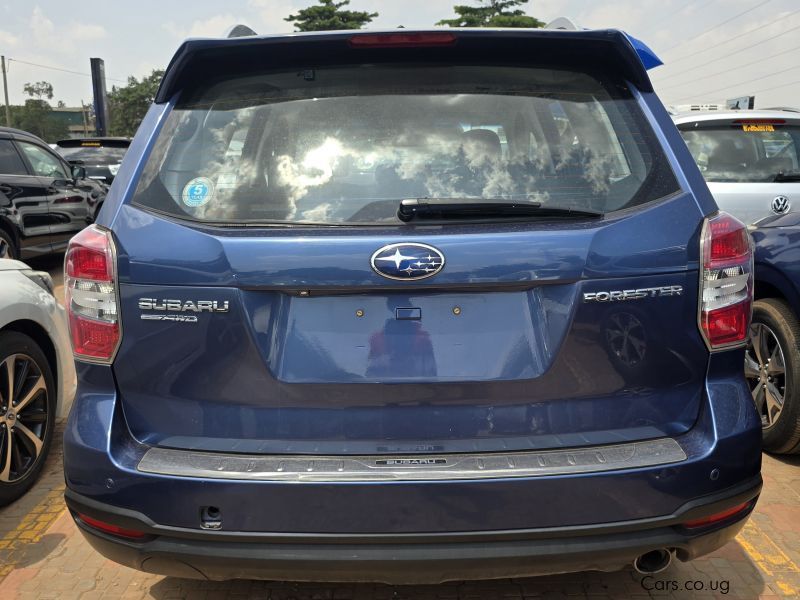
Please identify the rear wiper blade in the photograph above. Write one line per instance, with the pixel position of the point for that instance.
(783, 177)
(483, 208)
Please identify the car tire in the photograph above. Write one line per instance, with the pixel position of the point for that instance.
(775, 339)
(33, 381)
(7, 244)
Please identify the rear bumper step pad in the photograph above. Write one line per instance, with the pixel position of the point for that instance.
(212, 465)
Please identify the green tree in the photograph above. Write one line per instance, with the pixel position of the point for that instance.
(39, 89)
(328, 16)
(492, 13)
(128, 104)
(36, 115)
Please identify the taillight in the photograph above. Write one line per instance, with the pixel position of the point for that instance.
(726, 282)
(91, 295)
(759, 122)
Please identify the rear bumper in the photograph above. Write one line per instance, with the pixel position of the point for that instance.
(408, 559)
(323, 528)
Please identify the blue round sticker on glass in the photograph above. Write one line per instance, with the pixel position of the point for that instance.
(197, 192)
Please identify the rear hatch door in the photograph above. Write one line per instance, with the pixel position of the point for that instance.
(272, 300)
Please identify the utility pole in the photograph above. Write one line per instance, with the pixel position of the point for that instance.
(5, 90)
(85, 121)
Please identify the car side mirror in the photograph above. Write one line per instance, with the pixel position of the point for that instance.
(78, 172)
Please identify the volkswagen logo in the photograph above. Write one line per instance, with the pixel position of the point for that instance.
(407, 262)
(780, 205)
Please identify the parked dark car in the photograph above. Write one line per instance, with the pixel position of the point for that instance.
(409, 306)
(100, 156)
(37, 374)
(44, 200)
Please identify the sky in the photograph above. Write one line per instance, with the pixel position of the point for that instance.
(712, 49)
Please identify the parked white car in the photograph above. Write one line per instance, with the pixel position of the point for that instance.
(750, 159)
(37, 374)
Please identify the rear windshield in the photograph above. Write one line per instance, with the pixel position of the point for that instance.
(99, 155)
(346, 145)
(744, 151)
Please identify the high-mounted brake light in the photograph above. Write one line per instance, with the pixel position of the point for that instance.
(398, 40)
(726, 282)
(759, 121)
(91, 295)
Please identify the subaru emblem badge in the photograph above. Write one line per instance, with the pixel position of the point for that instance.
(407, 261)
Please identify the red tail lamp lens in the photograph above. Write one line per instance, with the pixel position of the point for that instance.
(89, 256)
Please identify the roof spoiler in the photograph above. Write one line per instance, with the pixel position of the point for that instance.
(199, 59)
(646, 55)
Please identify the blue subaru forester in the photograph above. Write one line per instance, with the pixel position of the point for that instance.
(410, 306)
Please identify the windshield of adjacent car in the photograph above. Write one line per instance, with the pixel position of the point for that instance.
(744, 151)
(346, 145)
(98, 155)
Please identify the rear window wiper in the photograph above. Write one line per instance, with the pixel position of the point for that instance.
(784, 177)
(483, 208)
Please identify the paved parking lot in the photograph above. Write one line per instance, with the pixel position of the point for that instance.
(42, 555)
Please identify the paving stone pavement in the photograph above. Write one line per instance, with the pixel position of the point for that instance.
(43, 556)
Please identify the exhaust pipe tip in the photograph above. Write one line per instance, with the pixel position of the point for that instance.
(653, 562)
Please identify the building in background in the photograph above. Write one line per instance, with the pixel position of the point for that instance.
(78, 119)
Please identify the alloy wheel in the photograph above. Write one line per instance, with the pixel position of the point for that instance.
(765, 371)
(23, 416)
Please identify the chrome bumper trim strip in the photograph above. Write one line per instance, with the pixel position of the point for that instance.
(331, 469)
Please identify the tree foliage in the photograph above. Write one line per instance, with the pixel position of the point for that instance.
(327, 16)
(492, 13)
(36, 115)
(39, 90)
(128, 104)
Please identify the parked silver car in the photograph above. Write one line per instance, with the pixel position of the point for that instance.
(749, 159)
(37, 374)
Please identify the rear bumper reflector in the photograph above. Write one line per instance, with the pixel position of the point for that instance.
(111, 528)
(720, 516)
(213, 465)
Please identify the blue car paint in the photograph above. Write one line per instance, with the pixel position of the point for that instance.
(777, 257)
(473, 401)
(647, 56)
(700, 399)
(99, 447)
